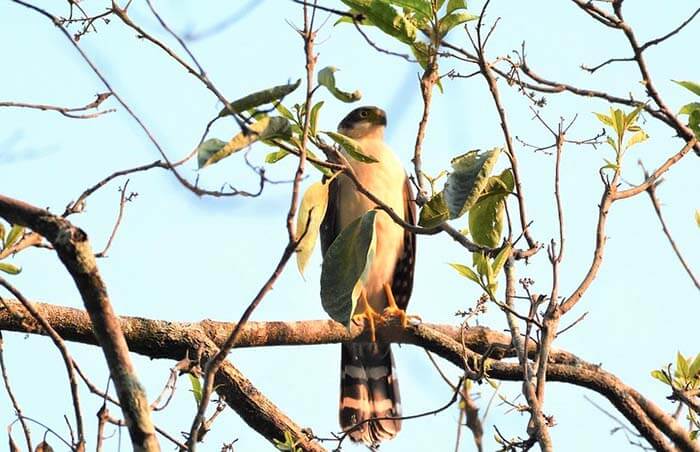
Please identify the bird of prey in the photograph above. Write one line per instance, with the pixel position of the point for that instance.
(368, 384)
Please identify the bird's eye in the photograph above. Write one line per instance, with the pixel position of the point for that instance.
(363, 113)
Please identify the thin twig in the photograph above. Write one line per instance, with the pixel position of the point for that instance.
(11, 395)
(67, 111)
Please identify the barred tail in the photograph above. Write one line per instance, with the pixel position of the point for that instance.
(369, 389)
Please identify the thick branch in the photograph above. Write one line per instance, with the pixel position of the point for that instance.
(72, 246)
(171, 340)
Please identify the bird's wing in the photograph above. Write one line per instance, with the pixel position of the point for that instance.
(402, 283)
(330, 226)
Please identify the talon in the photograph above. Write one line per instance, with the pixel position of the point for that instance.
(393, 310)
(366, 313)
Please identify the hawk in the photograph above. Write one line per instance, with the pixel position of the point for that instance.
(368, 384)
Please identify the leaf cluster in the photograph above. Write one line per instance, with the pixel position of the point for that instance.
(7, 240)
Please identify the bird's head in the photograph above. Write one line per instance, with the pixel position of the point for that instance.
(364, 122)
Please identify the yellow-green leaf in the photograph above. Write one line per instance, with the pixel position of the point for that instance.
(450, 21)
(10, 268)
(326, 77)
(311, 213)
(196, 388)
(605, 119)
(267, 128)
(14, 235)
(466, 272)
(434, 212)
(313, 120)
(259, 98)
(501, 258)
(694, 369)
(692, 86)
(351, 147)
(276, 156)
(661, 376)
(636, 139)
(697, 217)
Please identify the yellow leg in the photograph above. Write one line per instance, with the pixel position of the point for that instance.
(392, 310)
(366, 313)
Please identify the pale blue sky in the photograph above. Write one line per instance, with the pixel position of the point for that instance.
(181, 258)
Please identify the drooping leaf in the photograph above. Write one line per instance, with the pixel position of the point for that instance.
(434, 212)
(421, 7)
(196, 388)
(259, 98)
(692, 86)
(311, 213)
(469, 177)
(345, 265)
(352, 147)
(313, 120)
(466, 272)
(10, 268)
(276, 156)
(661, 376)
(450, 21)
(636, 139)
(14, 235)
(500, 260)
(211, 151)
(326, 77)
(384, 16)
(454, 5)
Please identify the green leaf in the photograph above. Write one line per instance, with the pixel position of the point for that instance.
(384, 16)
(282, 110)
(212, 151)
(325, 171)
(487, 215)
(434, 212)
(14, 235)
(345, 267)
(313, 120)
(326, 77)
(311, 213)
(694, 369)
(466, 272)
(421, 7)
(196, 388)
(259, 98)
(481, 263)
(351, 147)
(450, 21)
(689, 108)
(697, 217)
(631, 117)
(611, 165)
(9, 268)
(692, 86)
(618, 117)
(694, 122)
(2, 236)
(276, 156)
(605, 119)
(500, 260)
(682, 365)
(661, 376)
(636, 139)
(469, 178)
(611, 142)
(421, 51)
(454, 5)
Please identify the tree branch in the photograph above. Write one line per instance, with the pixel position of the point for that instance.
(171, 340)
